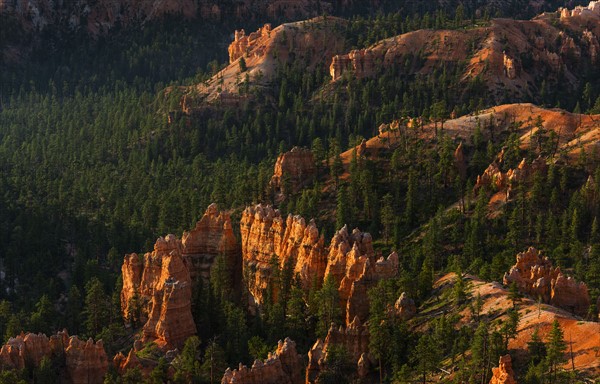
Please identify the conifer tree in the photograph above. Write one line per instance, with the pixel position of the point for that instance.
(555, 348)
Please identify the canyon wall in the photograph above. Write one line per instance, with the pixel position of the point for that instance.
(85, 362)
(269, 241)
(535, 276)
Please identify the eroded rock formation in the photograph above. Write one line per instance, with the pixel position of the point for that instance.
(157, 287)
(354, 338)
(293, 170)
(284, 366)
(157, 292)
(360, 61)
(242, 43)
(503, 374)
(405, 307)
(460, 161)
(496, 180)
(268, 241)
(212, 236)
(511, 69)
(84, 362)
(534, 275)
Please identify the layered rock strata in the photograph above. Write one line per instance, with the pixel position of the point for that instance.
(242, 43)
(85, 362)
(361, 62)
(284, 366)
(270, 242)
(293, 170)
(157, 287)
(212, 236)
(535, 276)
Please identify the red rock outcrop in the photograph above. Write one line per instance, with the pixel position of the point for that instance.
(503, 374)
(293, 170)
(268, 239)
(242, 44)
(354, 338)
(157, 287)
(460, 161)
(284, 366)
(504, 182)
(405, 307)
(350, 258)
(161, 296)
(360, 61)
(534, 275)
(212, 236)
(85, 362)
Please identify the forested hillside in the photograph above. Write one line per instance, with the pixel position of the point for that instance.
(112, 138)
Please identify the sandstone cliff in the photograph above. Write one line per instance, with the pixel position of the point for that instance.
(268, 241)
(212, 236)
(84, 362)
(503, 374)
(157, 287)
(293, 170)
(161, 296)
(284, 366)
(535, 276)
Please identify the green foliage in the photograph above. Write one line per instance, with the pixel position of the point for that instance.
(187, 366)
(257, 348)
(96, 310)
(327, 306)
(338, 366)
(555, 349)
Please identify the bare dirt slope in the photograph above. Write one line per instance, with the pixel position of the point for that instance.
(574, 131)
(584, 336)
(308, 43)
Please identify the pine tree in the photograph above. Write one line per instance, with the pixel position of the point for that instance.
(242, 63)
(513, 294)
(96, 307)
(426, 356)
(555, 348)
(536, 347)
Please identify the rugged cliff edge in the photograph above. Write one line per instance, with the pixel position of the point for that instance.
(268, 240)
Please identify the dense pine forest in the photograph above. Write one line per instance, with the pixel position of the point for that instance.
(98, 160)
